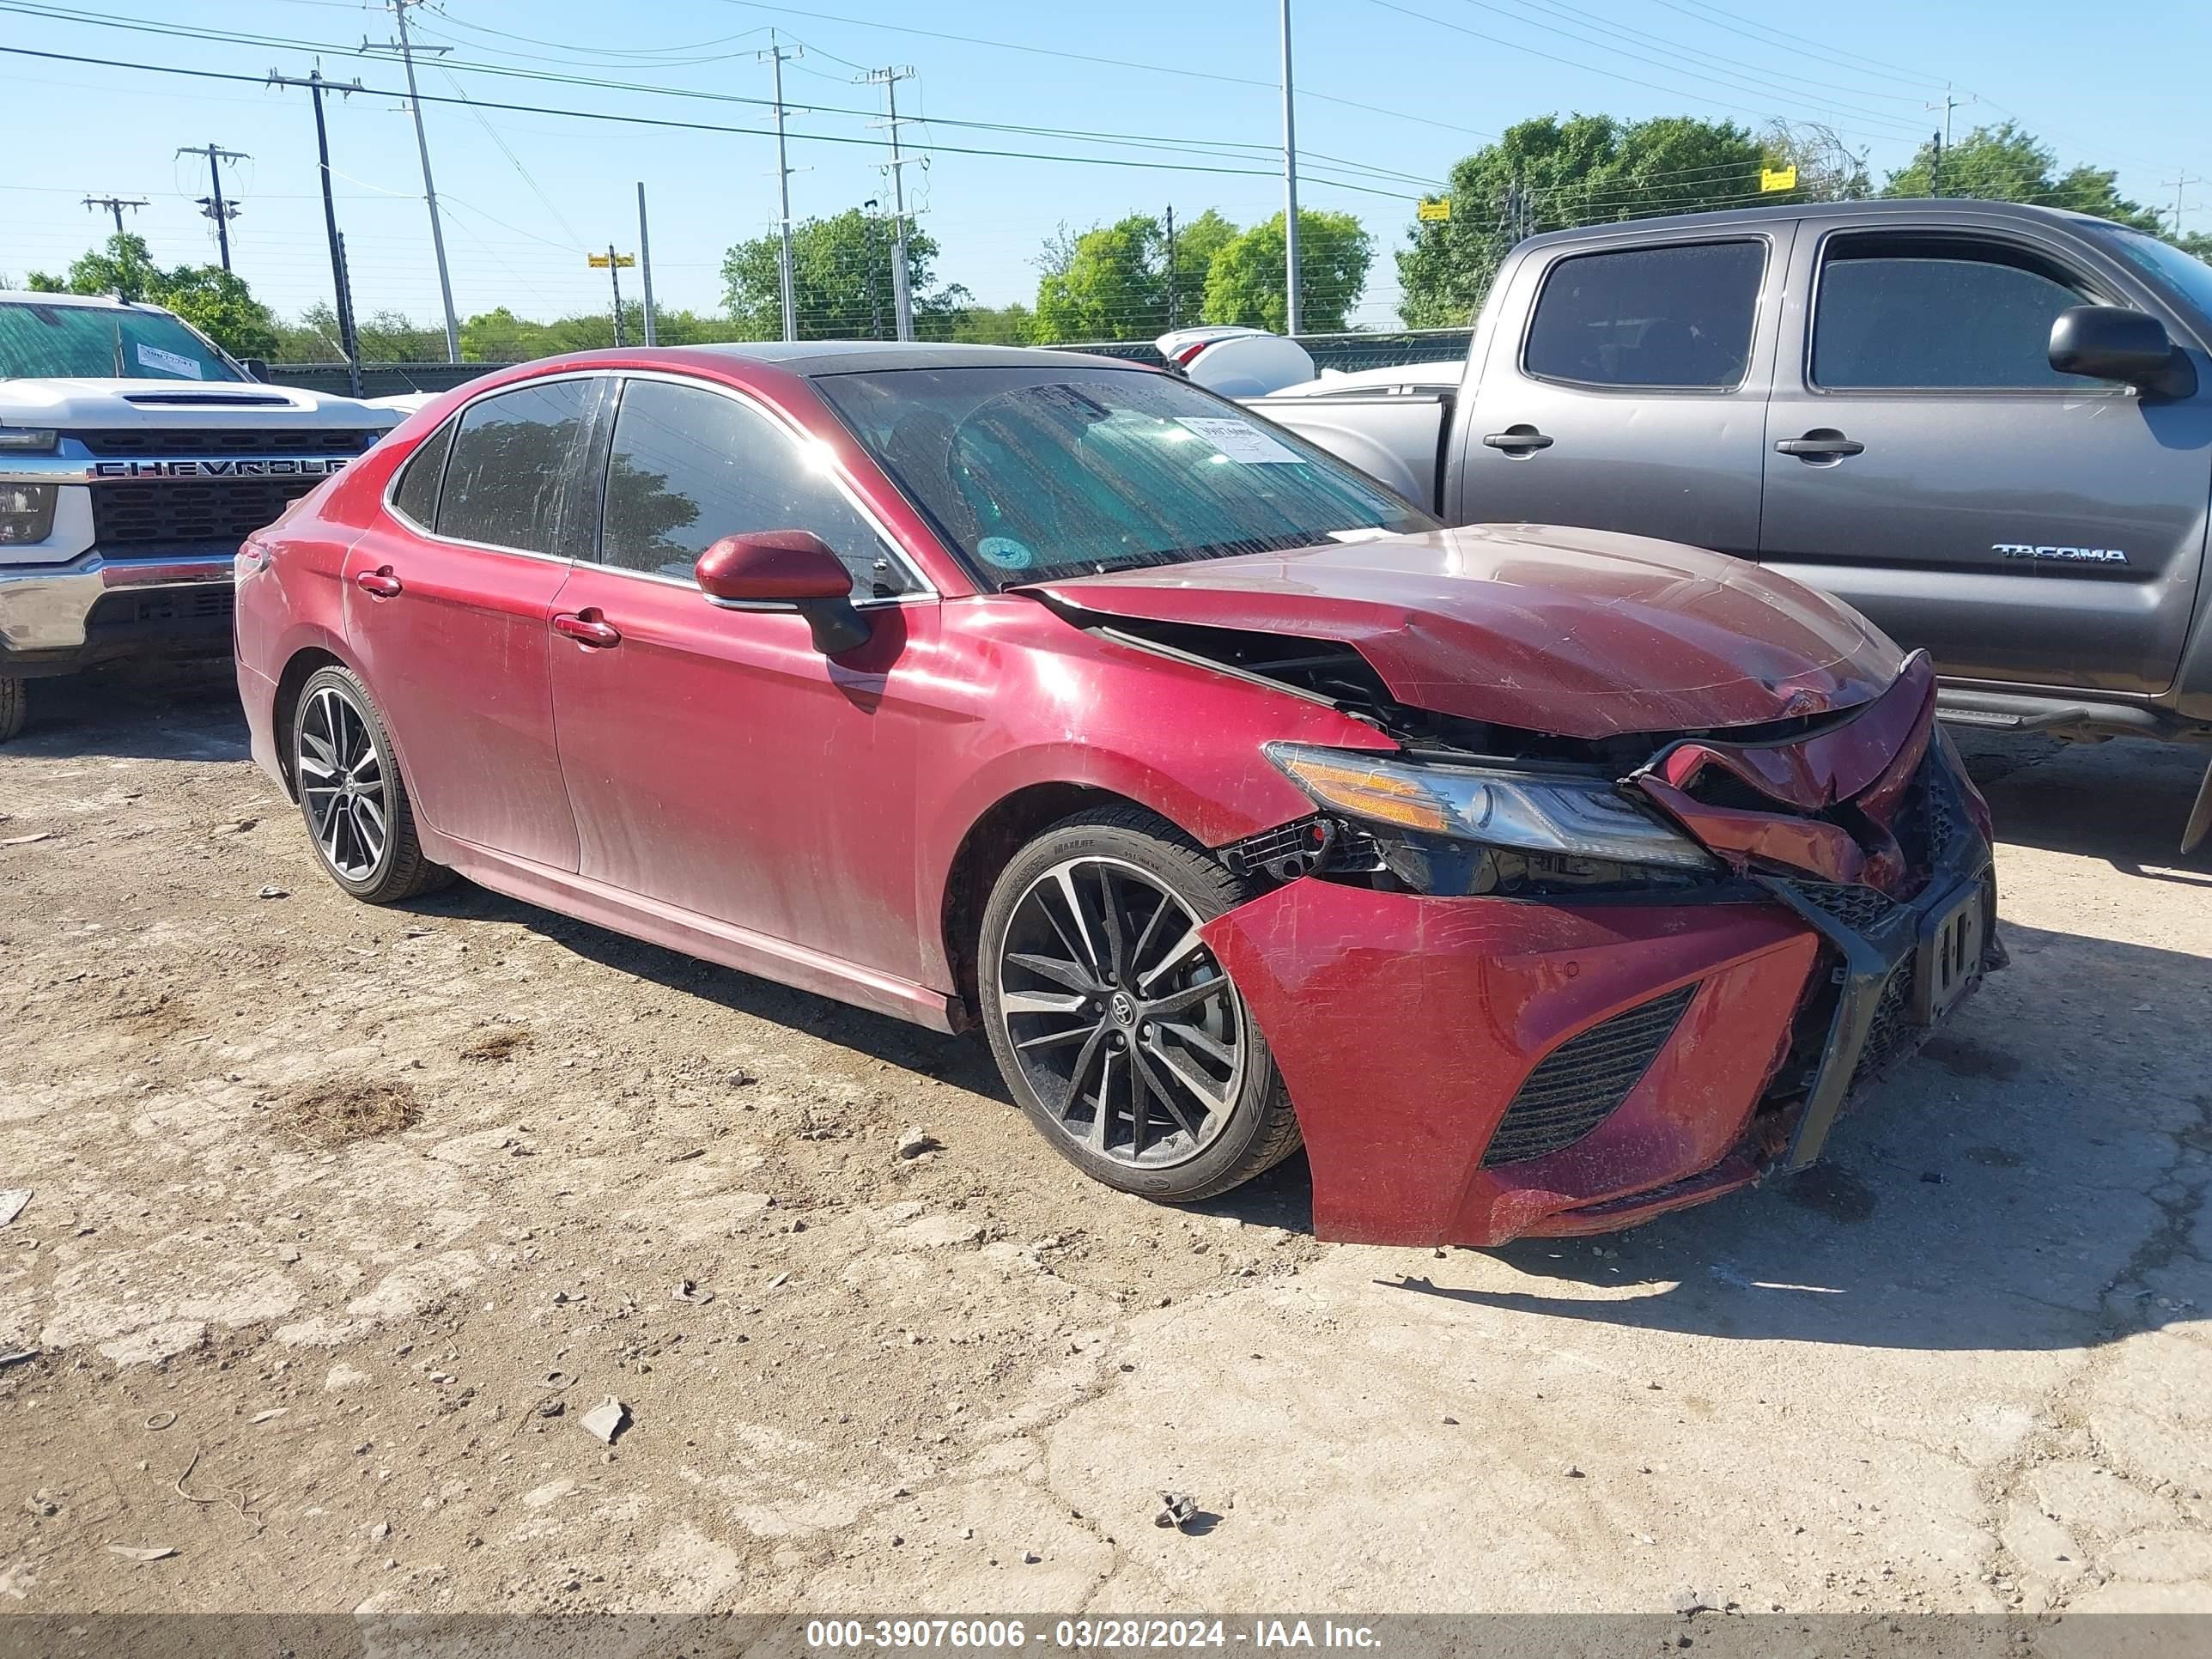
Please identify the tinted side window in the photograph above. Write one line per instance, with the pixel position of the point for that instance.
(1942, 316)
(689, 467)
(1650, 316)
(417, 493)
(512, 457)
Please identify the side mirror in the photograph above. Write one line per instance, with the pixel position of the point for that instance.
(786, 570)
(2111, 343)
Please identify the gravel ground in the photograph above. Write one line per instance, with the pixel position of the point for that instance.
(344, 1220)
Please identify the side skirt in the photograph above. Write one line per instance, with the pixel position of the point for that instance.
(694, 934)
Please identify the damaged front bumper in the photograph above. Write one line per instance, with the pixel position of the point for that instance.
(1472, 1069)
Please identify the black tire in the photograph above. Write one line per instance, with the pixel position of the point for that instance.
(14, 707)
(378, 872)
(1127, 858)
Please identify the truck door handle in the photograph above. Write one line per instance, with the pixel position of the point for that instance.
(587, 628)
(1517, 440)
(1821, 443)
(380, 582)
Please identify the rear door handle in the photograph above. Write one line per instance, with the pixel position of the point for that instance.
(380, 582)
(587, 629)
(1518, 440)
(1822, 442)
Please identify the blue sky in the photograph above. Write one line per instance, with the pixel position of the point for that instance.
(1392, 92)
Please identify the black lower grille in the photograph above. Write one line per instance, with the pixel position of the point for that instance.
(1859, 908)
(1300, 848)
(139, 514)
(179, 608)
(1583, 1082)
(1893, 1034)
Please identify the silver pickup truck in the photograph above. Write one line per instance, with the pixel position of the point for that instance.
(1989, 427)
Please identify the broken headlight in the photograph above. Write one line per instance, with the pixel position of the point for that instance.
(1479, 829)
(27, 512)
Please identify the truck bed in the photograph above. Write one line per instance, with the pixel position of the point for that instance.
(1397, 437)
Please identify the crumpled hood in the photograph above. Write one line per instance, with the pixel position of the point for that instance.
(1578, 633)
(98, 404)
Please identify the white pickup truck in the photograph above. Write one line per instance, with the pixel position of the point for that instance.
(134, 456)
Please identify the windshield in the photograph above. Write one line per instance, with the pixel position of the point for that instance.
(2192, 277)
(1036, 473)
(93, 343)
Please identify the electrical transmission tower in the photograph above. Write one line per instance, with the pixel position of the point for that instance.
(901, 298)
(213, 206)
(113, 204)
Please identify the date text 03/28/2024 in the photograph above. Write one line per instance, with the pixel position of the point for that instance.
(1084, 1634)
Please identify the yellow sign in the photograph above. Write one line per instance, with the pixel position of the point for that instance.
(1777, 178)
(1434, 213)
(599, 261)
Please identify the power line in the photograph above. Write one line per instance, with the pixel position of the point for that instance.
(406, 50)
(618, 118)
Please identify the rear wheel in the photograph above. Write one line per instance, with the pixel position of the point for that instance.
(352, 795)
(14, 707)
(1116, 1029)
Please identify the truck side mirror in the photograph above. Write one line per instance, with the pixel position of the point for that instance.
(2112, 343)
(786, 570)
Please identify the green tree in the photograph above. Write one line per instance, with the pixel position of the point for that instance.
(1007, 325)
(1548, 175)
(2004, 164)
(1828, 169)
(841, 282)
(214, 300)
(1107, 284)
(1246, 280)
(1129, 280)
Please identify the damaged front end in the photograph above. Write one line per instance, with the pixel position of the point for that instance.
(1680, 966)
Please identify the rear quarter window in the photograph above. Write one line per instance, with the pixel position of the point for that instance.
(416, 493)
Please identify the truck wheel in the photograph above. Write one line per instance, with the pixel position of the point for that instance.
(352, 795)
(14, 707)
(1118, 1032)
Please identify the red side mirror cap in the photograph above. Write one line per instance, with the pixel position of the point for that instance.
(776, 566)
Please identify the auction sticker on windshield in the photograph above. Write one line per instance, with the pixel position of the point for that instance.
(1240, 440)
(169, 362)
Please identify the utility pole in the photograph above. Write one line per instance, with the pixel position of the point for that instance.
(901, 300)
(775, 54)
(114, 204)
(645, 268)
(407, 49)
(614, 262)
(2180, 183)
(348, 341)
(1943, 138)
(1291, 318)
(873, 210)
(213, 206)
(1174, 310)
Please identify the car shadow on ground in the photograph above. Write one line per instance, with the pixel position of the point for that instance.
(185, 711)
(2125, 801)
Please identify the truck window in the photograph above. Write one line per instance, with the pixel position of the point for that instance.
(1678, 317)
(1895, 313)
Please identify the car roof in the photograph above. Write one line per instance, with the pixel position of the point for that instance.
(1935, 211)
(819, 357)
(90, 302)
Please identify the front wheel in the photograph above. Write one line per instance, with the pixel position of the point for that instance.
(1116, 1030)
(14, 707)
(352, 795)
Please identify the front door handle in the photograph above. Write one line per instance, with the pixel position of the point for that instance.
(380, 582)
(587, 628)
(1822, 443)
(1522, 439)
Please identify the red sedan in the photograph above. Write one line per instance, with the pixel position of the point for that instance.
(1539, 880)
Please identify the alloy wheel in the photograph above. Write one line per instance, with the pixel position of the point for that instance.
(342, 784)
(1123, 1023)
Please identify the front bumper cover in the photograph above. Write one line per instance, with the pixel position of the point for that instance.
(53, 620)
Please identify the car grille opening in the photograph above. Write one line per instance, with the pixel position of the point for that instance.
(1299, 847)
(197, 441)
(1583, 1082)
(139, 514)
(1859, 908)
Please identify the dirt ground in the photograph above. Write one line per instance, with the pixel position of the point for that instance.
(343, 1219)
